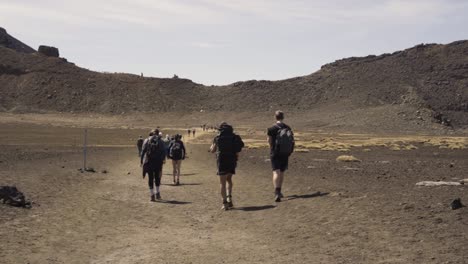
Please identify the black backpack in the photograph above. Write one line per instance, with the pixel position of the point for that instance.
(155, 148)
(175, 151)
(284, 143)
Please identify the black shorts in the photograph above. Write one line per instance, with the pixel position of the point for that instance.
(279, 162)
(227, 164)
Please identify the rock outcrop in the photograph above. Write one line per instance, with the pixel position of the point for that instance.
(48, 51)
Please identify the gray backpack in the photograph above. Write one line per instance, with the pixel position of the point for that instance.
(284, 144)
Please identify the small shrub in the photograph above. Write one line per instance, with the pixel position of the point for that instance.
(347, 158)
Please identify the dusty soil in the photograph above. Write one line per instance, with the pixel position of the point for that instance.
(334, 212)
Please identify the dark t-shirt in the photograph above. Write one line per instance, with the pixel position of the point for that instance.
(140, 143)
(273, 131)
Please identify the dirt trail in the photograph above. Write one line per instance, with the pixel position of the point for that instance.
(369, 212)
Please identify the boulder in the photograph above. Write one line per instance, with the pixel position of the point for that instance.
(48, 51)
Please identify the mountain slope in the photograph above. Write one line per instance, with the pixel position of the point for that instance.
(432, 78)
(10, 42)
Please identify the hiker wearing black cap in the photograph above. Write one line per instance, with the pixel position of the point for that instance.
(176, 154)
(281, 141)
(153, 156)
(227, 146)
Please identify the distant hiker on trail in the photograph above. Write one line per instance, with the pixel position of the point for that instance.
(189, 132)
(140, 145)
(167, 142)
(176, 154)
(153, 156)
(193, 131)
(227, 146)
(281, 141)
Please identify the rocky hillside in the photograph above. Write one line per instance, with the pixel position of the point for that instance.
(10, 42)
(430, 78)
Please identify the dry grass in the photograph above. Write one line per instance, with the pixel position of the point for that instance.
(347, 158)
(346, 142)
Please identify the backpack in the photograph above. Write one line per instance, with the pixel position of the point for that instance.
(155, 148)
(238, 143)
(284, 143)
(175, 151)
(230, 143)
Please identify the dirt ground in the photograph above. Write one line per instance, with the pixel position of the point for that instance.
(334, 212)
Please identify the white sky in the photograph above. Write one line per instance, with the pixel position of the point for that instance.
(220, 42)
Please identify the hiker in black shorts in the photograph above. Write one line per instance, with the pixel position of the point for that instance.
(227, 146)
(176, 154)
(281, 141)
(139, 145)
(153, 156)
(189, 132)
(193, 132)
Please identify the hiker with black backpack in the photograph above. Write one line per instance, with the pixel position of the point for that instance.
(153, 156)
(227, 146)
(176, 154)
(281, 141)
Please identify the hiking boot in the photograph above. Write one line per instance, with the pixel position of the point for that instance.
(229, 202)
(278, 198)
(158, 196)
(177, 183)
(225, 207)
(281, 195)
(152, 198)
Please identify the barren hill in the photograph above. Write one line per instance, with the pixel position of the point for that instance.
(419, 86)
(10, 42)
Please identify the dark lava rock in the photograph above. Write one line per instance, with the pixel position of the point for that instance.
(49, 51)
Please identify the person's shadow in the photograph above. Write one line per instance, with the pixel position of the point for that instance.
(254, 208)
(306, 196)
(173, 202)
(181, 184)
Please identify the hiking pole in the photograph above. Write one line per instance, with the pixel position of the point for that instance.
(84, 148)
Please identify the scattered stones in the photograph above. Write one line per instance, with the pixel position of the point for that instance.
(456, 204)
(12, 196)
(87, 170)
(438, 183)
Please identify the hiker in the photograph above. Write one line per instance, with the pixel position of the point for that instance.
(176, 154)
(227, 146)
(167, 142)
(189, 132)
(139, 145)
(281, 141)
(153, 156)
(193, 131)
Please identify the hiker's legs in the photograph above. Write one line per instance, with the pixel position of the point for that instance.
(222, 181)
(157, 179)
(278, 177)
(178, 165)
(229, 184)
(174, 170)
(150, 184)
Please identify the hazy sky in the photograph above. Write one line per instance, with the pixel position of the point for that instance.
(220, 42)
